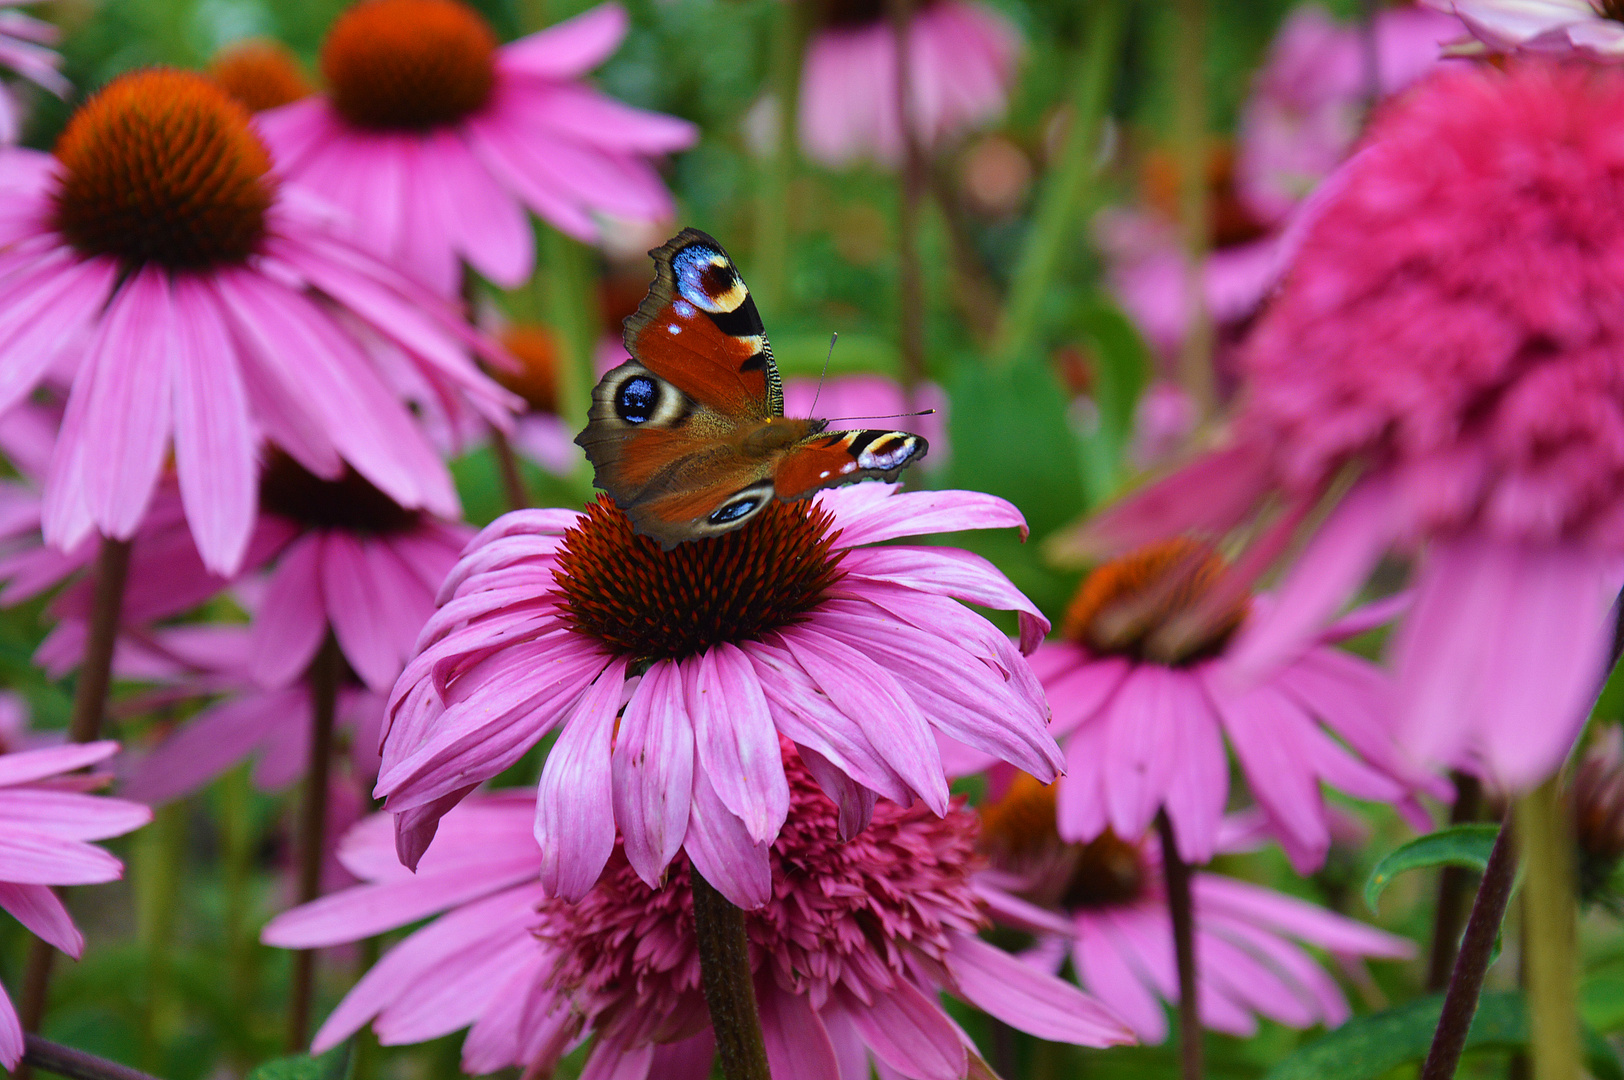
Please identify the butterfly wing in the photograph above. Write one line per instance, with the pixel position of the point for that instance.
(830, 458)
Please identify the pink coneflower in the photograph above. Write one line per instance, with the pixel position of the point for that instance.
(796, 624)
(202, 304)
(47, 823)
(849, 952)
(1102, 905)
(261, 73)
(25, 48)
(1145, 701)
(961, 61)
(1459, 365)
(866, 396)
(1593, 28)
(435, 140)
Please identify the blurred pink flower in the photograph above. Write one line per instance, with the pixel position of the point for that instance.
(1102, 905)
(1144, 702)
(47, 823)
(878, 402)
(1503, 26)
(856, 939)
(1464, 363)
(961, 59)
(209, 310)
(803, 622)
(25, 48)
(434, 140)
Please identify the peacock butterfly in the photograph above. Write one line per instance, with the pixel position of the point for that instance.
(689, 436)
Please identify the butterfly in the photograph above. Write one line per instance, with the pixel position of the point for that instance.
(689, 437)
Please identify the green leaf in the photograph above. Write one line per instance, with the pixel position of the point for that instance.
(1458, 845)
(1122, 366)
(329, 1066)
(1370, 1046)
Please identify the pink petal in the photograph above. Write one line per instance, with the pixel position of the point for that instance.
(33, 858)
(20, 767)
(11, 1033)
(798, 1045)
(1025, 998)
(1286, 914)
(1142, 722)
(1106, 972)
(71, 815)
(736, 740)
(909, 1032)
(950, 572)
(723, 851)
(1198, 788)
(919, 513)
(653, 769)
(357, 611)
(575, 822)
(611, 1061)
(292, 621)
(570, 48)
(37, 908)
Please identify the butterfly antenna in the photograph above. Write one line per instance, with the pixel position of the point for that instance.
(884, 416)
(813, 411)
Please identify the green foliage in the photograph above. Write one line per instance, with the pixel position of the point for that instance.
(1371, 1046)
(329, 1066)
(1458, 845)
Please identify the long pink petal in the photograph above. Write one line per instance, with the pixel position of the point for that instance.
(919, 513)
(1142, 721)
(1039, 1004)
(11, 1033)
(32, 858)
(653, 771)
(21, 767)
(575, 821)
(1109, 975)
(572, 47)
(798, 1045)
(292, 621)
(71, 815)
(723, 852)
(909, 1032)
(38, 908)
(736, 740)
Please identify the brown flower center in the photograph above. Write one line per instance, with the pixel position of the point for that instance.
(1613, 9)
(652, 604)
(853, 14)
(350, 503)
(537, 378)
(259, 73)
(1231, 221)
(1155, 604)
(409, 64)
(1108, 872)
(161, 166)
(1019, 833)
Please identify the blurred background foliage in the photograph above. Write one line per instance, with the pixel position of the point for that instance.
(174, 980)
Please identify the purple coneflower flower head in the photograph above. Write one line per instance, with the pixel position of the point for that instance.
(671, 674)
(262, 73)
(850, 951)
(201, 304)
(1593, 28)
(48, 822)
(961, 61)
(1102, 905)
(1461, 371)
(436, 140)
(25, 49)
(1144, 703)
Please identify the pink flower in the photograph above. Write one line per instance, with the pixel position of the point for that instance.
(25, 48)
(1102, 905)
(47, 823)
(852, 946)
(435, 140)
(796, 624)
(1463, 365)
(961, 64)
(205, 307)
(1144, 701)
(1589, 27)
(875, 401)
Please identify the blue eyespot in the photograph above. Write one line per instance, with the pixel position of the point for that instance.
(733, 511)
(636, 399)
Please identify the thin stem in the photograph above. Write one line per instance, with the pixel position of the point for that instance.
(973, 289)
(730, 991)
(75, 1064)
(911, 279)
(770, 277)
(236, 822)
(1549, 932)
(1449, 914)
(1181, 906)
(1190, 144)
(323, 678)
(571, 313)
(1466, 980)
(156, 866)
(365, 1052)
(507, 464)
(85, 724)
(1065, 193)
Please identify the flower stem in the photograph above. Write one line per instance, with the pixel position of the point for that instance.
(1180, 904)
(911, 278)
(159, 850)
(1549, 932)
(236, 822)
(75, 1064)
(507, 465)
(1190, 145)
(84, 725)
(1449, 914)
(730, 992)
(1466, 980)
(323, 678)
(571, 312)
(1065, 193)
(770, 278)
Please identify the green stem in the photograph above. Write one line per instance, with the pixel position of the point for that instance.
(1066, 191)
(1549, 932)
(323, 677)
(156, 860)
(1181, 909)
(1190, 144)
(910, 273)
(365, 1053)
(62, 1060)
(571, 312)
(237, 842)
(770, 277)
(730, 991)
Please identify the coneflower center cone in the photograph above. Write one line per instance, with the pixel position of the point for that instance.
(409, 65)
(536, 381)
(853, 14)
(349, 502)
(260, 74)
(1156, 604)
(161, 166)
(653, 605)
(1019, 833)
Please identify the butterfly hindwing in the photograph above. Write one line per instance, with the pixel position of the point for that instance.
(689, 436)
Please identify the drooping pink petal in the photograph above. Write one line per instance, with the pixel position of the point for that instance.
(571, 48)
(38, 909)
(575, 823)
(722, 850)
(27, 765)
(653, 767)
(735, 739)
(909, 1032)
(1106, 972)
(798, 1045)
(292, 621)
(1025, 998)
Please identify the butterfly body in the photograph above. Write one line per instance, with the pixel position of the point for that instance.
(689, 436)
